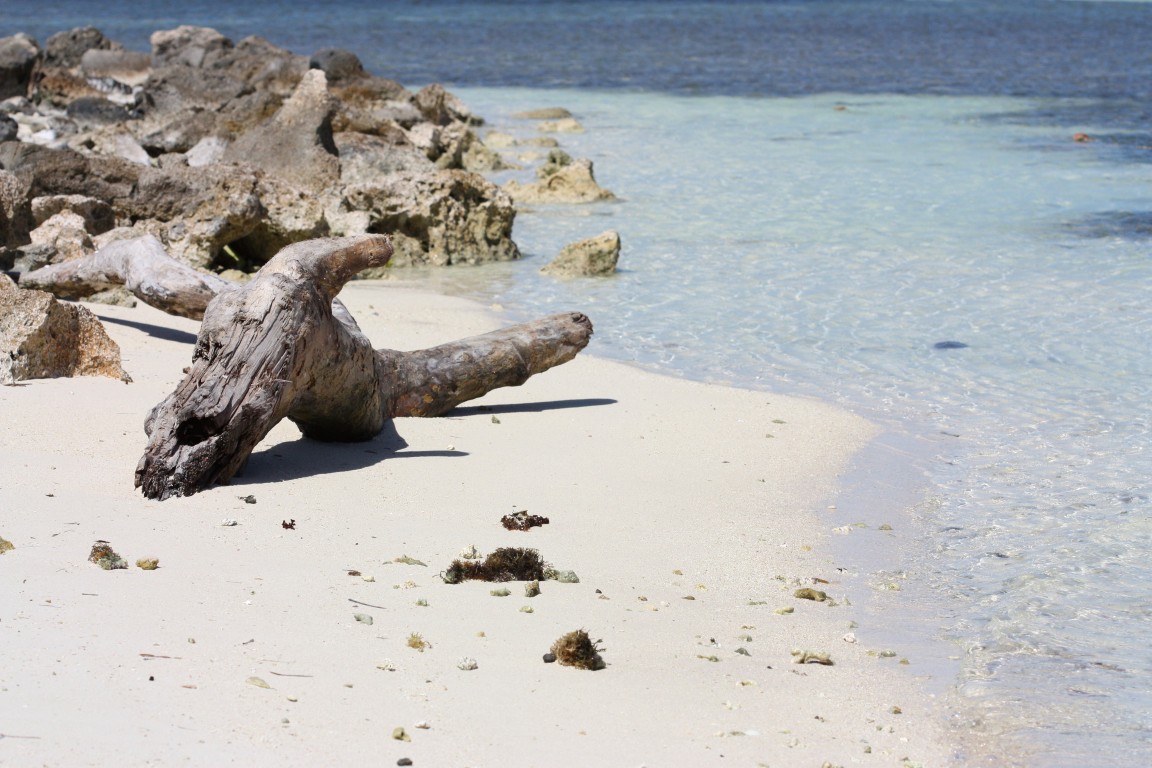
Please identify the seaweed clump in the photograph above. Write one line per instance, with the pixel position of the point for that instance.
(576, 649)
(504, 564)
(522, 521)
(104, 556)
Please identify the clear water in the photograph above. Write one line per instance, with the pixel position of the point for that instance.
(773, 239)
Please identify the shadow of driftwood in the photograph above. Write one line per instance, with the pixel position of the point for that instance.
(159, 331)
(550, 405)
(307, 458)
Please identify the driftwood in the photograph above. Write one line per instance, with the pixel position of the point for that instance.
(281, 346)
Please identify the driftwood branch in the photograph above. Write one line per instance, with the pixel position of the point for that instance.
(142, 266)
(279, 346)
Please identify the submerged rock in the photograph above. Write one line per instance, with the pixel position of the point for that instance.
(572, 182)
(595, 256)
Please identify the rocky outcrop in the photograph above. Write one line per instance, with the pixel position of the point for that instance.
(42, 338)
(296, 143)
(562, 180)
(228, 151)
(439, 218)
(595, 256)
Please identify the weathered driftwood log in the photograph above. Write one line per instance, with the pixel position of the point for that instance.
(275, 348)
(142, 266)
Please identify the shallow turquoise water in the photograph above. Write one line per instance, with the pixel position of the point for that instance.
(825, 245)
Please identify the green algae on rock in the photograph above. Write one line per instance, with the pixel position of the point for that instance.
(104, 556)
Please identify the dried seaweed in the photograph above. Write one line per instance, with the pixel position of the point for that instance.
(576, 649)
(504, 564)
(522, 521)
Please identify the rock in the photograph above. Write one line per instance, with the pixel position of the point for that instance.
(564, 125)
(96, 110)
(115, 141)
(117, 297)
(196, 47)
(547, 113)
(97, 215)
(499, 140)
(57, 87)
(206, 151)
(337, 64)
(296, 144)
(41, 338)
(460, 147)
(67, 49)
(289, 216)
(440, 107)
(595, 256)
(365, 159)
(439, 218)
(64, 236)
(50, 171)
(9, 129)
(572, 183)
(127, 67)
(18, 57)
(15, 211)
(208, 144)
(196, 211)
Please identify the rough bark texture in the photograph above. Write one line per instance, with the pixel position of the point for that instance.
(142, 266)
(279, 347)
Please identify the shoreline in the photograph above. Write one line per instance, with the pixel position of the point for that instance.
(657, 488)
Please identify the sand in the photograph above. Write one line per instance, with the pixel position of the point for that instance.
(690, 513)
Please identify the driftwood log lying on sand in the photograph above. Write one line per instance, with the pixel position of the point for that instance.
(281, 346)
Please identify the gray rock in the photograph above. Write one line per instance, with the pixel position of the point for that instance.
(128, 67)
(592, 257)
(296, 144)
(196, 47)
(43, 338)
(66, 49)
(337, 64)
(96, 110)
(366, 159)
(18, 57)
(97, 215)
(49, 171)
(208, 150)
(15, 211)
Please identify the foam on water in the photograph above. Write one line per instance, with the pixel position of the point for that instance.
(826, 245)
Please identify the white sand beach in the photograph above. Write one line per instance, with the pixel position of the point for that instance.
(687, 525)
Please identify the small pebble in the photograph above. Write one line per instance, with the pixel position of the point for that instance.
(404, 761)
(549, 658)
(363, 618)
(230, 521)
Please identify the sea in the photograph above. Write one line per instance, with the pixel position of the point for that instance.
(934, 213)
